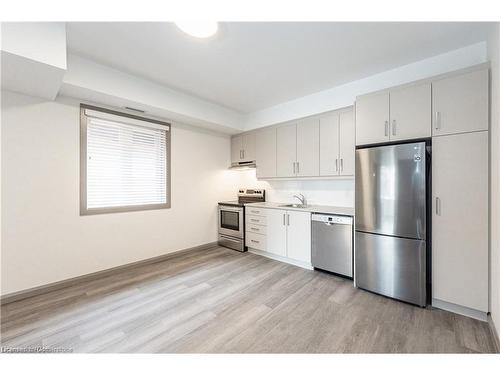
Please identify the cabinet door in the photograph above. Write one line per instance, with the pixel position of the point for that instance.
(286, 150)
(299, 236)
(236, 148)
(372, 119)
(410, 112)
(307, 148)
(265, 152)
(460, 219)
(347, 143)
(276, 232)
(460, 104)
(329, 145)
(248, 146)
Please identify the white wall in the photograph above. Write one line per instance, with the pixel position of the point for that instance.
(40, 41)
(494, 56)
(33, 57)
(345, 95)
(321, 192)
(45, 240)
(88, 80)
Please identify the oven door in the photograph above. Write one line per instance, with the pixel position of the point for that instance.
(231, 221)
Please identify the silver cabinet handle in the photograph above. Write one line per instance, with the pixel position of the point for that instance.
(437, 120)
(284, 219)
(341, 164)
(386, 128)
(298, 167)
(287, 219)
(255, 220)
(438, 206)
(253, 228)
(254, 241)
(336, 165)
(393, 127)
(254, 211)
(243, 152)
(293, 167)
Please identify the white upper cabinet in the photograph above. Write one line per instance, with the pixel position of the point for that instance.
(372, 118)
(329, 145)
(286, 150)
(347, 145)
(337, 148)
(410, 112)
(399, 114)
(243, 148)
(236, 148)
(460, 103)
(460, 219)
(248, 144)
(265, 148)
(307, 148)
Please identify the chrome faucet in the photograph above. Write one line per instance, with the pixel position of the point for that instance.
(301, 198)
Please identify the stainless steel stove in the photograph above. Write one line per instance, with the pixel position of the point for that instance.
(232, 218)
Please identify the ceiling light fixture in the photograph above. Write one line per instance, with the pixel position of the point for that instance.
(198, 29)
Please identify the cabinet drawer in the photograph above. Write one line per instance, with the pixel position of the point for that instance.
(256, 211)
(256, 241)
(252, 219)
(255, 228)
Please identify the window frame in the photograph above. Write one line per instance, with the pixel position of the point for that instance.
(83, 165)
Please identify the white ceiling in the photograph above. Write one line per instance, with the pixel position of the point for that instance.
(255, 65)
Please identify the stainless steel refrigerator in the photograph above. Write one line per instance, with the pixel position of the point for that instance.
(391, 221)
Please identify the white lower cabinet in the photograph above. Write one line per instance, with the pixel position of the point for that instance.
(256, 241)
(276, 232)
(299, 236)
(286, 234)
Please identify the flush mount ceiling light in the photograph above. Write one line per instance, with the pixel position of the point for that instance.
(198, 29)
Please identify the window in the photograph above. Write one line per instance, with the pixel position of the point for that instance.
(124, 162)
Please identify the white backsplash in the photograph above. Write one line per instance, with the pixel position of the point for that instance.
(331, 192)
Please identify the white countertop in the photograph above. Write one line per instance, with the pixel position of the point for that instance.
(332, 210)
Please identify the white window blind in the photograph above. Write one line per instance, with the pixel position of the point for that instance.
(126, 163)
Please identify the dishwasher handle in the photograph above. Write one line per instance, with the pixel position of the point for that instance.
(332, 219)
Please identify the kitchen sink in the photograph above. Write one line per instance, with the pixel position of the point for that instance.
(295, 205)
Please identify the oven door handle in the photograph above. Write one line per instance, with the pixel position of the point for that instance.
(231, 209)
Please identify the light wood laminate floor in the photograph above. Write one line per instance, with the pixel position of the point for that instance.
(219, 300)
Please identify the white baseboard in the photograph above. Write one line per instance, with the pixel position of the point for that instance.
(461, 310)
(280, 258)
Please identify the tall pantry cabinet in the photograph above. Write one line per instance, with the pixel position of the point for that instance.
(460, 193)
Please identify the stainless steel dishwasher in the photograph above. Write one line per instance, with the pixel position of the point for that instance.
(332, 243)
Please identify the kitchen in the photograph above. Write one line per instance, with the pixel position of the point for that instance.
(355, 216)
(401, 137)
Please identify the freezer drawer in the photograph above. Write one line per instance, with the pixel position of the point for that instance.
(391, 266)
(332, 243)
